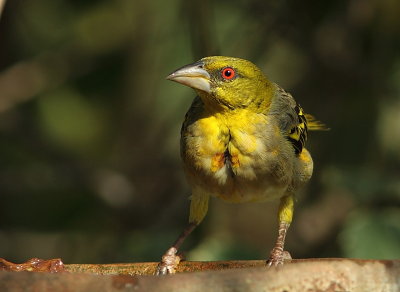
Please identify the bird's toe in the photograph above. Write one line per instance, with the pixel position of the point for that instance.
(169, 262)
(278, 257)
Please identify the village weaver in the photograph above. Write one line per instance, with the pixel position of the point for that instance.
(242, 140)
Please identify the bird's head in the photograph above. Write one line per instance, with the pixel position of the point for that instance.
(226, 83)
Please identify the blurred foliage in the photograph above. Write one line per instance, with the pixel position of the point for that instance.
(89, 128)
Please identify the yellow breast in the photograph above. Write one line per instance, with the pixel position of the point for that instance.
(232, 157)
(230, 136)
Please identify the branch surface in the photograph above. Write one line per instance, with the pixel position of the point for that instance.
(333, 275)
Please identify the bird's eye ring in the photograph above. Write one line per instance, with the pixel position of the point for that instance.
(228, 73)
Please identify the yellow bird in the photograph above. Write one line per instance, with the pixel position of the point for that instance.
(243, 140)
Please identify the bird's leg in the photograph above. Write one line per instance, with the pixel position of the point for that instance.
(171, 259)
(198, 210)
(285, 214)
(278, 254)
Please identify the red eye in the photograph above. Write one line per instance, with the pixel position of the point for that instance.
(228, 73)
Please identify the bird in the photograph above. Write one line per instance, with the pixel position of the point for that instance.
(242, 140)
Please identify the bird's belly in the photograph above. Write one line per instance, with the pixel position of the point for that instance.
(244, 169)
(237, 158)
(246, 179)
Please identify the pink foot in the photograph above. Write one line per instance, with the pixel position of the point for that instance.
(278, 257)
(169, 262)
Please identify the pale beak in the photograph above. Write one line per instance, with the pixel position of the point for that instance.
(192, 75)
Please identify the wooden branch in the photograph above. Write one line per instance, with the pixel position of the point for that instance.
(141, 269)
(299, 275)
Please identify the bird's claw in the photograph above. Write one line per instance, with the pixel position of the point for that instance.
(278, 257)
(169, 262)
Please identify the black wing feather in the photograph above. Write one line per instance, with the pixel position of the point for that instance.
(293, 121)
(298, 133)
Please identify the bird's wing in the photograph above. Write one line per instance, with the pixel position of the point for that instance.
(292, 120)
(193, 113)
(298, 133)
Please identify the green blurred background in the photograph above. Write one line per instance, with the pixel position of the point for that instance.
(89, 127)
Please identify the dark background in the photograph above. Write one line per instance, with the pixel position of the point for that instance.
(89, 127)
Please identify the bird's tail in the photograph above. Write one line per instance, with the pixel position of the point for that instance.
(314, 125)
